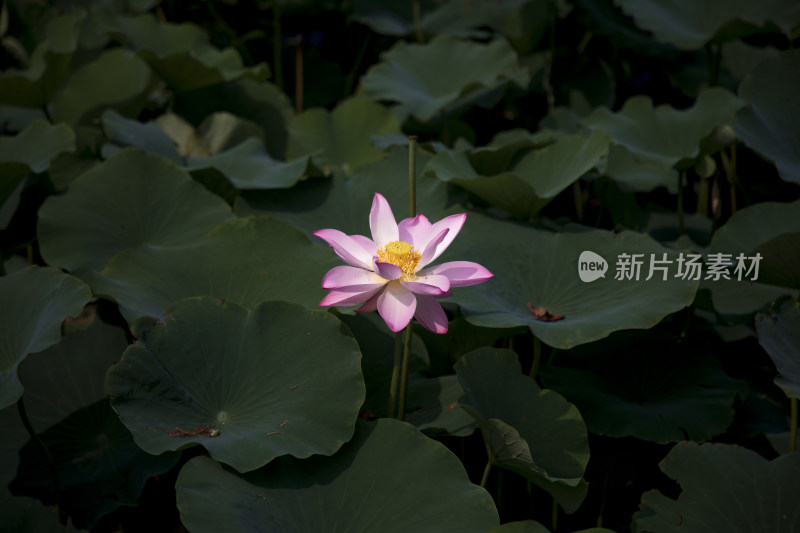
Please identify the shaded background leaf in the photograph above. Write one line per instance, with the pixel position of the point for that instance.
(372, 471)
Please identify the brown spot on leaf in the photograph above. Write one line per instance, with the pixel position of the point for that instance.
(199, 431)
(367, 415)
(542, 315)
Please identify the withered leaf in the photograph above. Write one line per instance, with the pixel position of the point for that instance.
(542, 315)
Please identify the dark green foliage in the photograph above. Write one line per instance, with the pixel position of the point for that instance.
(163, 169)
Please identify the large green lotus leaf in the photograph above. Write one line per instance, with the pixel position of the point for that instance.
(35, 303)
(66, 168)
(217, 133)
(149, 137)
(524, 192)
(740, 58)
(36, 146)
(531, 526)
(115, 78)
(531, 431)
(624, 210)
(746, 231)
(344, 135)
(182, 56)
(783, 268)
(82, 358)
(49, 63)
(725, 488)
(506, 148)
(343, 202)
(779, 334)
(534, 180)
(540, 273)
(390, 18)
(647, 385)
(639, 176)
(526, 526)
(662, 134)
(249, 385)
(552, 169)
(388, 478)
(604, 18)
(31, 150)
(434, 406)
(262, 102)
(246, 165)
(461, 337)
(247, 261)
(18, 118)
(249, 166)
(462, 18)
(690, 24)
(133, 200)
(524, 21)
(508, 191)
(428, 79)
(452, 164)
(740, 298)
(377, 358)
(753, 226)
(99, 465)
(768, 122)
(431, 403)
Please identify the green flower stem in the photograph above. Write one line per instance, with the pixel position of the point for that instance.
(578, 197)
(47, 114)
(351, 78)
(412, 204)
(23, 414)
(499, 499)
(298, 83)
(793, 426)
(417, 14)
(398, 358)
(401, 409)
(537, 356)
(681, 225)
(729, 165)
(277, 52)
(714, 58)
(554, 519)
(702, 196)
(412, 175)
(547, 84)
(486, 471)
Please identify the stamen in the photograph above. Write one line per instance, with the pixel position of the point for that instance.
(401, 254)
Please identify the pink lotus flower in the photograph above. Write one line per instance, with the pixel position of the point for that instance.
(388, 272)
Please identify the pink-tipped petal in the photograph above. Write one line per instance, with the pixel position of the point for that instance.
(346, 298)
(460, 273)
(382, 222)
(366, 243)
(430, 314)
(370, 305)
(387, 271)
(345, 247)
(396, 305)
(351, 279)
(433, 285)
(431, 250)
(415, 231)
(453, 223)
